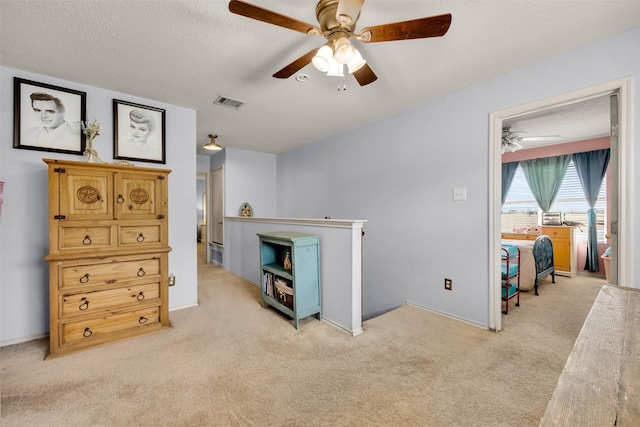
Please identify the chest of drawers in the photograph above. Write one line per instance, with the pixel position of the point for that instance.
(108, 253)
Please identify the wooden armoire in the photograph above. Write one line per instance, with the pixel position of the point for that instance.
(108, 253)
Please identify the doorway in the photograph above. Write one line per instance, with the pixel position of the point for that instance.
(623, 89)
(201, 212)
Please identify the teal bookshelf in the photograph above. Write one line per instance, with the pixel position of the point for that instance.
(290, 271)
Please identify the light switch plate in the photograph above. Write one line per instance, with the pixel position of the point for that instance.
(459, 194)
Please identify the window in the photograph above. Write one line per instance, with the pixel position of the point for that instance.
(521, 210)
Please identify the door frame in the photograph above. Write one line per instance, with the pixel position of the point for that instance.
(204, 176)
(623, 88)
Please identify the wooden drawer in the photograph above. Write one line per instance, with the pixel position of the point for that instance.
(519, 236)
(99, 328)
(88, 237)
(95, 274)
(557, 232)
(139, 235)
(88, 303)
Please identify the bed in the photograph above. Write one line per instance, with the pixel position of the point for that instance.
(536, 261)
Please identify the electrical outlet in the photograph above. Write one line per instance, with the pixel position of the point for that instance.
(172, 280)
(448, 284)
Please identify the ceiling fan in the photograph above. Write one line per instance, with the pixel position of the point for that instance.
(511, 139)
(337, 20)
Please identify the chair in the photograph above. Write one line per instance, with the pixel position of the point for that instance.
(510, 275)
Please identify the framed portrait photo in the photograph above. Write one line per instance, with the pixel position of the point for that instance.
(47, 117)
(139, 132)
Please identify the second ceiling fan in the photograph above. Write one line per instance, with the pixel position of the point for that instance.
(511, 139)
(337, 20)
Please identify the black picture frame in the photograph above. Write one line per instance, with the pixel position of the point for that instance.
(139, 132)
(47, 117)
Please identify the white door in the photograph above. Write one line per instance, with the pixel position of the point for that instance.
(613, 192)
(217, 208)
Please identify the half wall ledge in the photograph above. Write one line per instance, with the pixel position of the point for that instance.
(341, 269)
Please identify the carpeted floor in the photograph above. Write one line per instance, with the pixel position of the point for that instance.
(228, 362)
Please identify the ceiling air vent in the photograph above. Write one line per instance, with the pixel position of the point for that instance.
(228, 102)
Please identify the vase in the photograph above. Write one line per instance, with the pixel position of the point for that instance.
(91, 156)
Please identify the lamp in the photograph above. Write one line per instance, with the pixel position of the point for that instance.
(212, 145)
(332, 57)
(322, 59)
(344, 50)
(356, 62)
(335, 68)
(348, 11)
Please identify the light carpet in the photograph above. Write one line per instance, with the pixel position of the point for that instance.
(228, 362)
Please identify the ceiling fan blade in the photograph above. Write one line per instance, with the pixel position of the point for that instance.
(433, 26)
(255, 12)
(514, 133)
(296, 65)
(365, 75)
(540, 138)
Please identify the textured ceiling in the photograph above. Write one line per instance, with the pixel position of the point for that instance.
(582, 120)
(187, 52)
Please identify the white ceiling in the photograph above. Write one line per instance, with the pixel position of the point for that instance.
(578, 121)
(187, 52)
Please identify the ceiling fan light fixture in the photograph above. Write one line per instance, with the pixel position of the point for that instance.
(356, 62)
(344, 50)
(212, 144)
(322, 59)
(336, 69)
(338, 19)
(348, 11)
(514, 146)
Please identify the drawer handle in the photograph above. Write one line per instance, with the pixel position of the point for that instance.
(141, 272)
(87, 240)
(87, 333)
(84, 306)
(140, 296)
(84, 279)
(140, 238)
(142, 320)
(120, 199)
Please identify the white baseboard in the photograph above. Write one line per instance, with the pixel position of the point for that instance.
(195, 304)
(22, 339)
(353, 333)
(460, 319)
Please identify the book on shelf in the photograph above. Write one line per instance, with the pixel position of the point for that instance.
(267, 286)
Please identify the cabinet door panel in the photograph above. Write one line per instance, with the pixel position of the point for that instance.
(139, 195)
(561, 254)
(84, 194)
